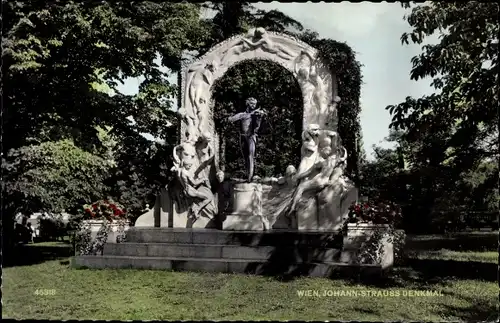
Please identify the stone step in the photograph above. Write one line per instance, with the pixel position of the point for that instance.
(241, 238)
(294, 253)
(327, 269)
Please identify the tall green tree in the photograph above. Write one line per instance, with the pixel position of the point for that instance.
(381, 176)
(62, 63)
(453, 132)
(461, 116)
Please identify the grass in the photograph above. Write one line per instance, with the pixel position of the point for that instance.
(445, 254)
(62, 244)
(458, 241)
(164, 295)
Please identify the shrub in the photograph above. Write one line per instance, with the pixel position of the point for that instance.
(52, 228)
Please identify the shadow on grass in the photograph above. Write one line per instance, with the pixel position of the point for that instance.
(32, 254)
(465, 241)
(289, 262)
(478, 311)
(427, 272)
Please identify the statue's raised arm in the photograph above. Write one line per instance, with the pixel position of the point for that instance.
(237, 117)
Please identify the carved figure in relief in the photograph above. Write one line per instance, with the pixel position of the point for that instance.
(309, 150)
(258, 38)
(338, 177)
(200, 78)
(197, 190)
(206, 157)
(204, 152)
(314, 85)
(332, 113)
(289, 178)
(310, 155)
(324, 170)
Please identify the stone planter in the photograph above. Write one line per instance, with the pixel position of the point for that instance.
(358, 237)
(95, 226)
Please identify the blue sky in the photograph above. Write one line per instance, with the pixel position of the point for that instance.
(373, 30)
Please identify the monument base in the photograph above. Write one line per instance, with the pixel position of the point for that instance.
(275, 252)
(247, 208)
(243, 223)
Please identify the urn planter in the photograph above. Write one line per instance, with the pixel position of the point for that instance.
(360, 236)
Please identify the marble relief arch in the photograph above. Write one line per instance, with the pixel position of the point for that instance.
(318, 84)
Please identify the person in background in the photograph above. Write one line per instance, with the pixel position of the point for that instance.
(30, 232)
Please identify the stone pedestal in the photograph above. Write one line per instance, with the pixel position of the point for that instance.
(358, 234)
(179, 217)
(247, 208)
(95, 226)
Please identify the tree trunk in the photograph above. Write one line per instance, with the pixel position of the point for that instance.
(8, 237)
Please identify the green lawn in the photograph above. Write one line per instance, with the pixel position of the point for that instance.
(164, 295)
(444, 254)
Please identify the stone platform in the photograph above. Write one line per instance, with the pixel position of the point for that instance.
(269, 252)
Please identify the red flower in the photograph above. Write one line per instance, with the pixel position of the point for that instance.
(88, 211)
(367, 206)
(113, 207)
(94, 206)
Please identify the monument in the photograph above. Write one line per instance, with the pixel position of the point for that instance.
(296, 217)
(321, 192)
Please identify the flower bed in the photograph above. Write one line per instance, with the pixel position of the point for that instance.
(105, 210)
(375, 212)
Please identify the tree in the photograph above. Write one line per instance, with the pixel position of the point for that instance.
(62, 62)
(453, 131)
(463, 111)
(54, 176)
(378, 175)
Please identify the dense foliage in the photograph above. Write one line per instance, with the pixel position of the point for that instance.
(64, 120)
(450, 138)
(63, 62)
(278, 93)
